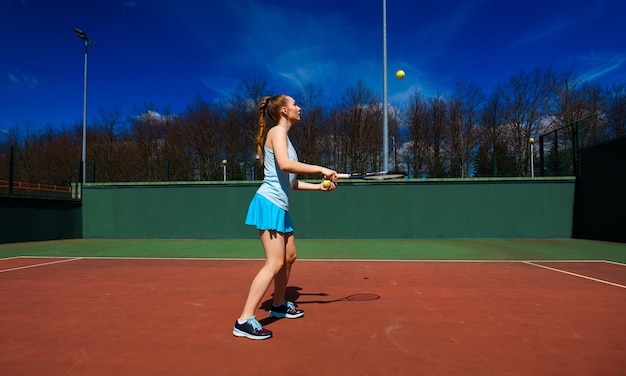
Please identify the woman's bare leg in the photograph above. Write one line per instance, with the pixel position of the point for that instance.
(274, 245)
(282, 278)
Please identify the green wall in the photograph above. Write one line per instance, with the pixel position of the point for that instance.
(165, 211)
(32, 219)
(420, 208)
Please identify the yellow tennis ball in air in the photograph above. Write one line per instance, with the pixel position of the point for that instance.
(400, 74)
(326, 183)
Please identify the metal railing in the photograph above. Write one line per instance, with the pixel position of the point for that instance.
(35, 187)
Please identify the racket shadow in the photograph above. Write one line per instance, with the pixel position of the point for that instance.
(292, 294)
(350, 298)
(364, 297)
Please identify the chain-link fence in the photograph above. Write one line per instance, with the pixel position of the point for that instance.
(559, 148)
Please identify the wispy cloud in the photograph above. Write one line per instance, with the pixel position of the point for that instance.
(597, 64)
(291, 51)
(545, 33)
(129, 4)
(553, 27)
(19, 80)
(441, 29)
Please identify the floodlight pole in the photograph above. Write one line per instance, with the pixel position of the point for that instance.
(81, 34)
(385, 117)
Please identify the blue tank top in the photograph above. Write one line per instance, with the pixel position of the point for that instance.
(277, 185)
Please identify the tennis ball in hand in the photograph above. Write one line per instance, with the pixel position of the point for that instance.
(400, 74)
(326, 183)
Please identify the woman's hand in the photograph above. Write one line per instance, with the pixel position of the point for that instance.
(327, 185)
(329, 174)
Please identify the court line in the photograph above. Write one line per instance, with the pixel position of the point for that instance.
(42, 264)
(616, 263)
(575, 274)
(533, 263)
(328, 259)
(10, 258)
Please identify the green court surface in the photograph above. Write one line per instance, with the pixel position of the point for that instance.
(366, 249)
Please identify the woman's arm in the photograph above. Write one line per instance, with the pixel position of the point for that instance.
(277, 140)
(305, 186)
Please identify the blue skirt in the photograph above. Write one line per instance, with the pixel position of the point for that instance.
(265, 215)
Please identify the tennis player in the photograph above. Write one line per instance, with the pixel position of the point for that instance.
(269, 212)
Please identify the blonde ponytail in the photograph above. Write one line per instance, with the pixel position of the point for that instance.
(271, 106)
(260, 137)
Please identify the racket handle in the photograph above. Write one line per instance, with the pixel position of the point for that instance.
(343, 176)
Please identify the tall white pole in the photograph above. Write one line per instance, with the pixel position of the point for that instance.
(385, 115)
(81, 34)
(84, 152)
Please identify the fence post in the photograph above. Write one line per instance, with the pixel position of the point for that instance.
(494, 161)
(556, 152)
(80, 171)
(79, 186)
(11, 170)
(541, 161)
(575, 128)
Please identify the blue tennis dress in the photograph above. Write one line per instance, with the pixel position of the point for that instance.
(269, 208)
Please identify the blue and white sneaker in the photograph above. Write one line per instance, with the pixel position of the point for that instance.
(251, 329)
(287, 309)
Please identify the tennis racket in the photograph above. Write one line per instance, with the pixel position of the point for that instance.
(371, 175)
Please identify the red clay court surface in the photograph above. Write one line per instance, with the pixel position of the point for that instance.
(88, 316)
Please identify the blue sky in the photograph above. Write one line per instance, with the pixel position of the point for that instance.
(165, 53)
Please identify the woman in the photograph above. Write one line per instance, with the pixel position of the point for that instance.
(269, 212)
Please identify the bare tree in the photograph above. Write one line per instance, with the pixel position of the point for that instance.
(616, 110)
(310, 135)
(439, 140)
(493, 158)
(579, 105)
(398, 140)
(241, 125)
(54, 152)
(460, 135)
(360, 136)
(146, 135)
(194, 142)
(525, 100)
(9, 143)
(419, 134)
(589, 120)
(566, 100)
(464, 117)
(106, 148)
